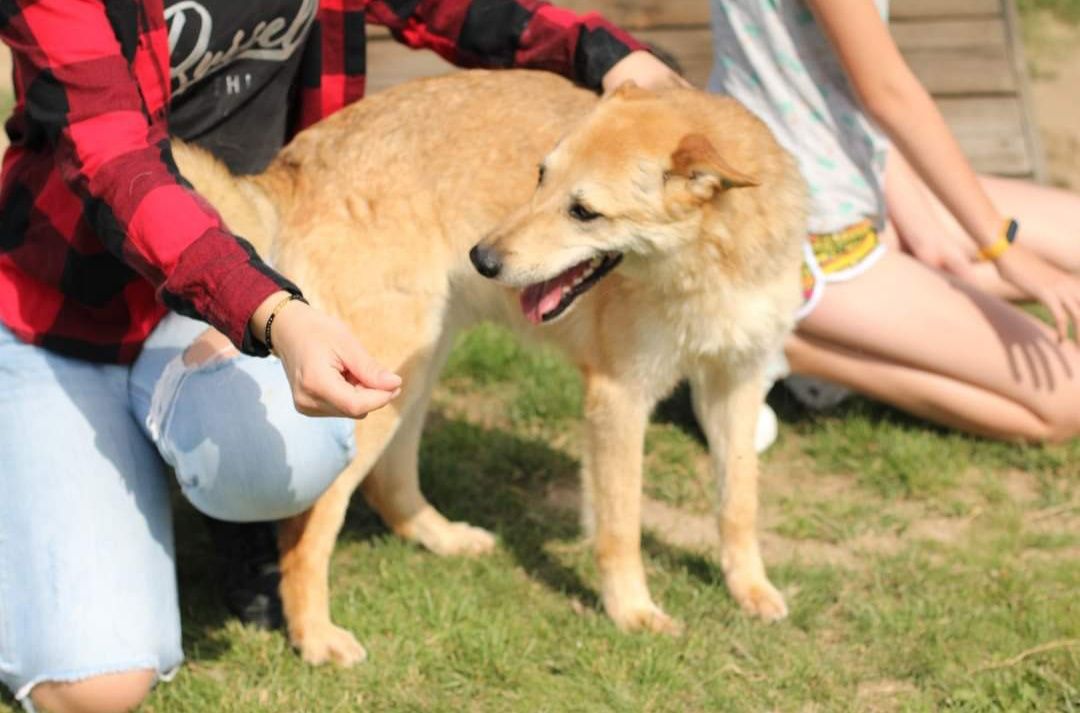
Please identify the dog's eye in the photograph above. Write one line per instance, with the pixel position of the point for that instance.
(540, 176)
(579, 212)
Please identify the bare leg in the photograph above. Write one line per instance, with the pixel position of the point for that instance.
(728, 414)
(109, 693)
(615, 419)
(910, 336)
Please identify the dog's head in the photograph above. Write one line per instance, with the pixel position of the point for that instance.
(632, 181)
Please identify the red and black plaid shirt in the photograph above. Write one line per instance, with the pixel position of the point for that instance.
(99, 233)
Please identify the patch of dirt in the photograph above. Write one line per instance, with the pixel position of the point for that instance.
(945, 530)
(882, 696)
(1062, 556)
(1056, 519)
(699, 533)
(1021, 487)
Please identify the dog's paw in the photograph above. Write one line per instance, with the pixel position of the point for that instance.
(434, 532)
(328, 643)
(760, 598)
(647, 617)
(461, 538)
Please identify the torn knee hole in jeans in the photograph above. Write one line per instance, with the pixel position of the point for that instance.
(209, 348)
(202, 355)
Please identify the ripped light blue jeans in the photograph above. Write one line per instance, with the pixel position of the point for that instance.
(87, 576)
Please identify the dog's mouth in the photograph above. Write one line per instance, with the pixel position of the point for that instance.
(544, 301)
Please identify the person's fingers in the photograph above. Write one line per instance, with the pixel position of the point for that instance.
(327, 393)
(1061, 318)
(959, 265)
(314, 393)
(359, 402)
(364, 370)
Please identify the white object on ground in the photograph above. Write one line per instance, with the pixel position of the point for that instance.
(816, 394)
(767, 429)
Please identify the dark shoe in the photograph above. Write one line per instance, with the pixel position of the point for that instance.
(248, 571)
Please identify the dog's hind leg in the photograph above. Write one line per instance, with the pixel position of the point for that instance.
(728, 414)
(307, 543)
(616, 415)
(393, 486)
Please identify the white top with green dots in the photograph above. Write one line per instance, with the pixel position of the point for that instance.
(772, 56)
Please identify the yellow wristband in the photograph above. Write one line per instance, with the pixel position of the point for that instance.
(1003, 243)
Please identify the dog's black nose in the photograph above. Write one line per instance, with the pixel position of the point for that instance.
(485, 260)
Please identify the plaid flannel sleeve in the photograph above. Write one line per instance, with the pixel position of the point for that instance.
(509, 33)
(100, 104)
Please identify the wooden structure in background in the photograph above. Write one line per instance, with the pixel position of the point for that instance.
(967, 53)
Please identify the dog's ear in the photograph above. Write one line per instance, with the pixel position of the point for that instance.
(705, 171)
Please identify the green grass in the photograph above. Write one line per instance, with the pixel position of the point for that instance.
(1068, 10)
(922, 568)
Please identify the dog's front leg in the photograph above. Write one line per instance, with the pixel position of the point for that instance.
(616, 414)
(307, 542)
(728, 414)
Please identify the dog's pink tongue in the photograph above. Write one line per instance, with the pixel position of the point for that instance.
(543, 297)
(539, 299)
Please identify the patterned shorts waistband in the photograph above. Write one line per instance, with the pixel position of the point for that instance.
(844, 249)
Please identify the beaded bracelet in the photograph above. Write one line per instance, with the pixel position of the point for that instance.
(267, 337)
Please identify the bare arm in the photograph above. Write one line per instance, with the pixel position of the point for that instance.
(892, 95)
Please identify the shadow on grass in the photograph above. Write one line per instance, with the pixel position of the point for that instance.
(499, 481)
(677, 410)
(202, 612)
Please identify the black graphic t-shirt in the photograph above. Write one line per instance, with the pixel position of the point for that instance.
(234, 66)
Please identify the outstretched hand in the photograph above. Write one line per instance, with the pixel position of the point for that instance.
(645, 70)
(1053, 287)
(330, 373)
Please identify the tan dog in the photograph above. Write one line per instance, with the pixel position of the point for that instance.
(663, 242)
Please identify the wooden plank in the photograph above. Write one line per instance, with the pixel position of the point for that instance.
(943, 8)
(945, 71)
(991, 132)
(390, 63)
(691, 47)
(973, 64)
(1030, 127)
(646, 14)
(643, 14)
(982, 32)
(964, 71)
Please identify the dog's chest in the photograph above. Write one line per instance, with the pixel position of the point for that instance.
(734, 328)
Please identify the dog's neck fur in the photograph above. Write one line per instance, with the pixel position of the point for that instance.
(697, 279)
